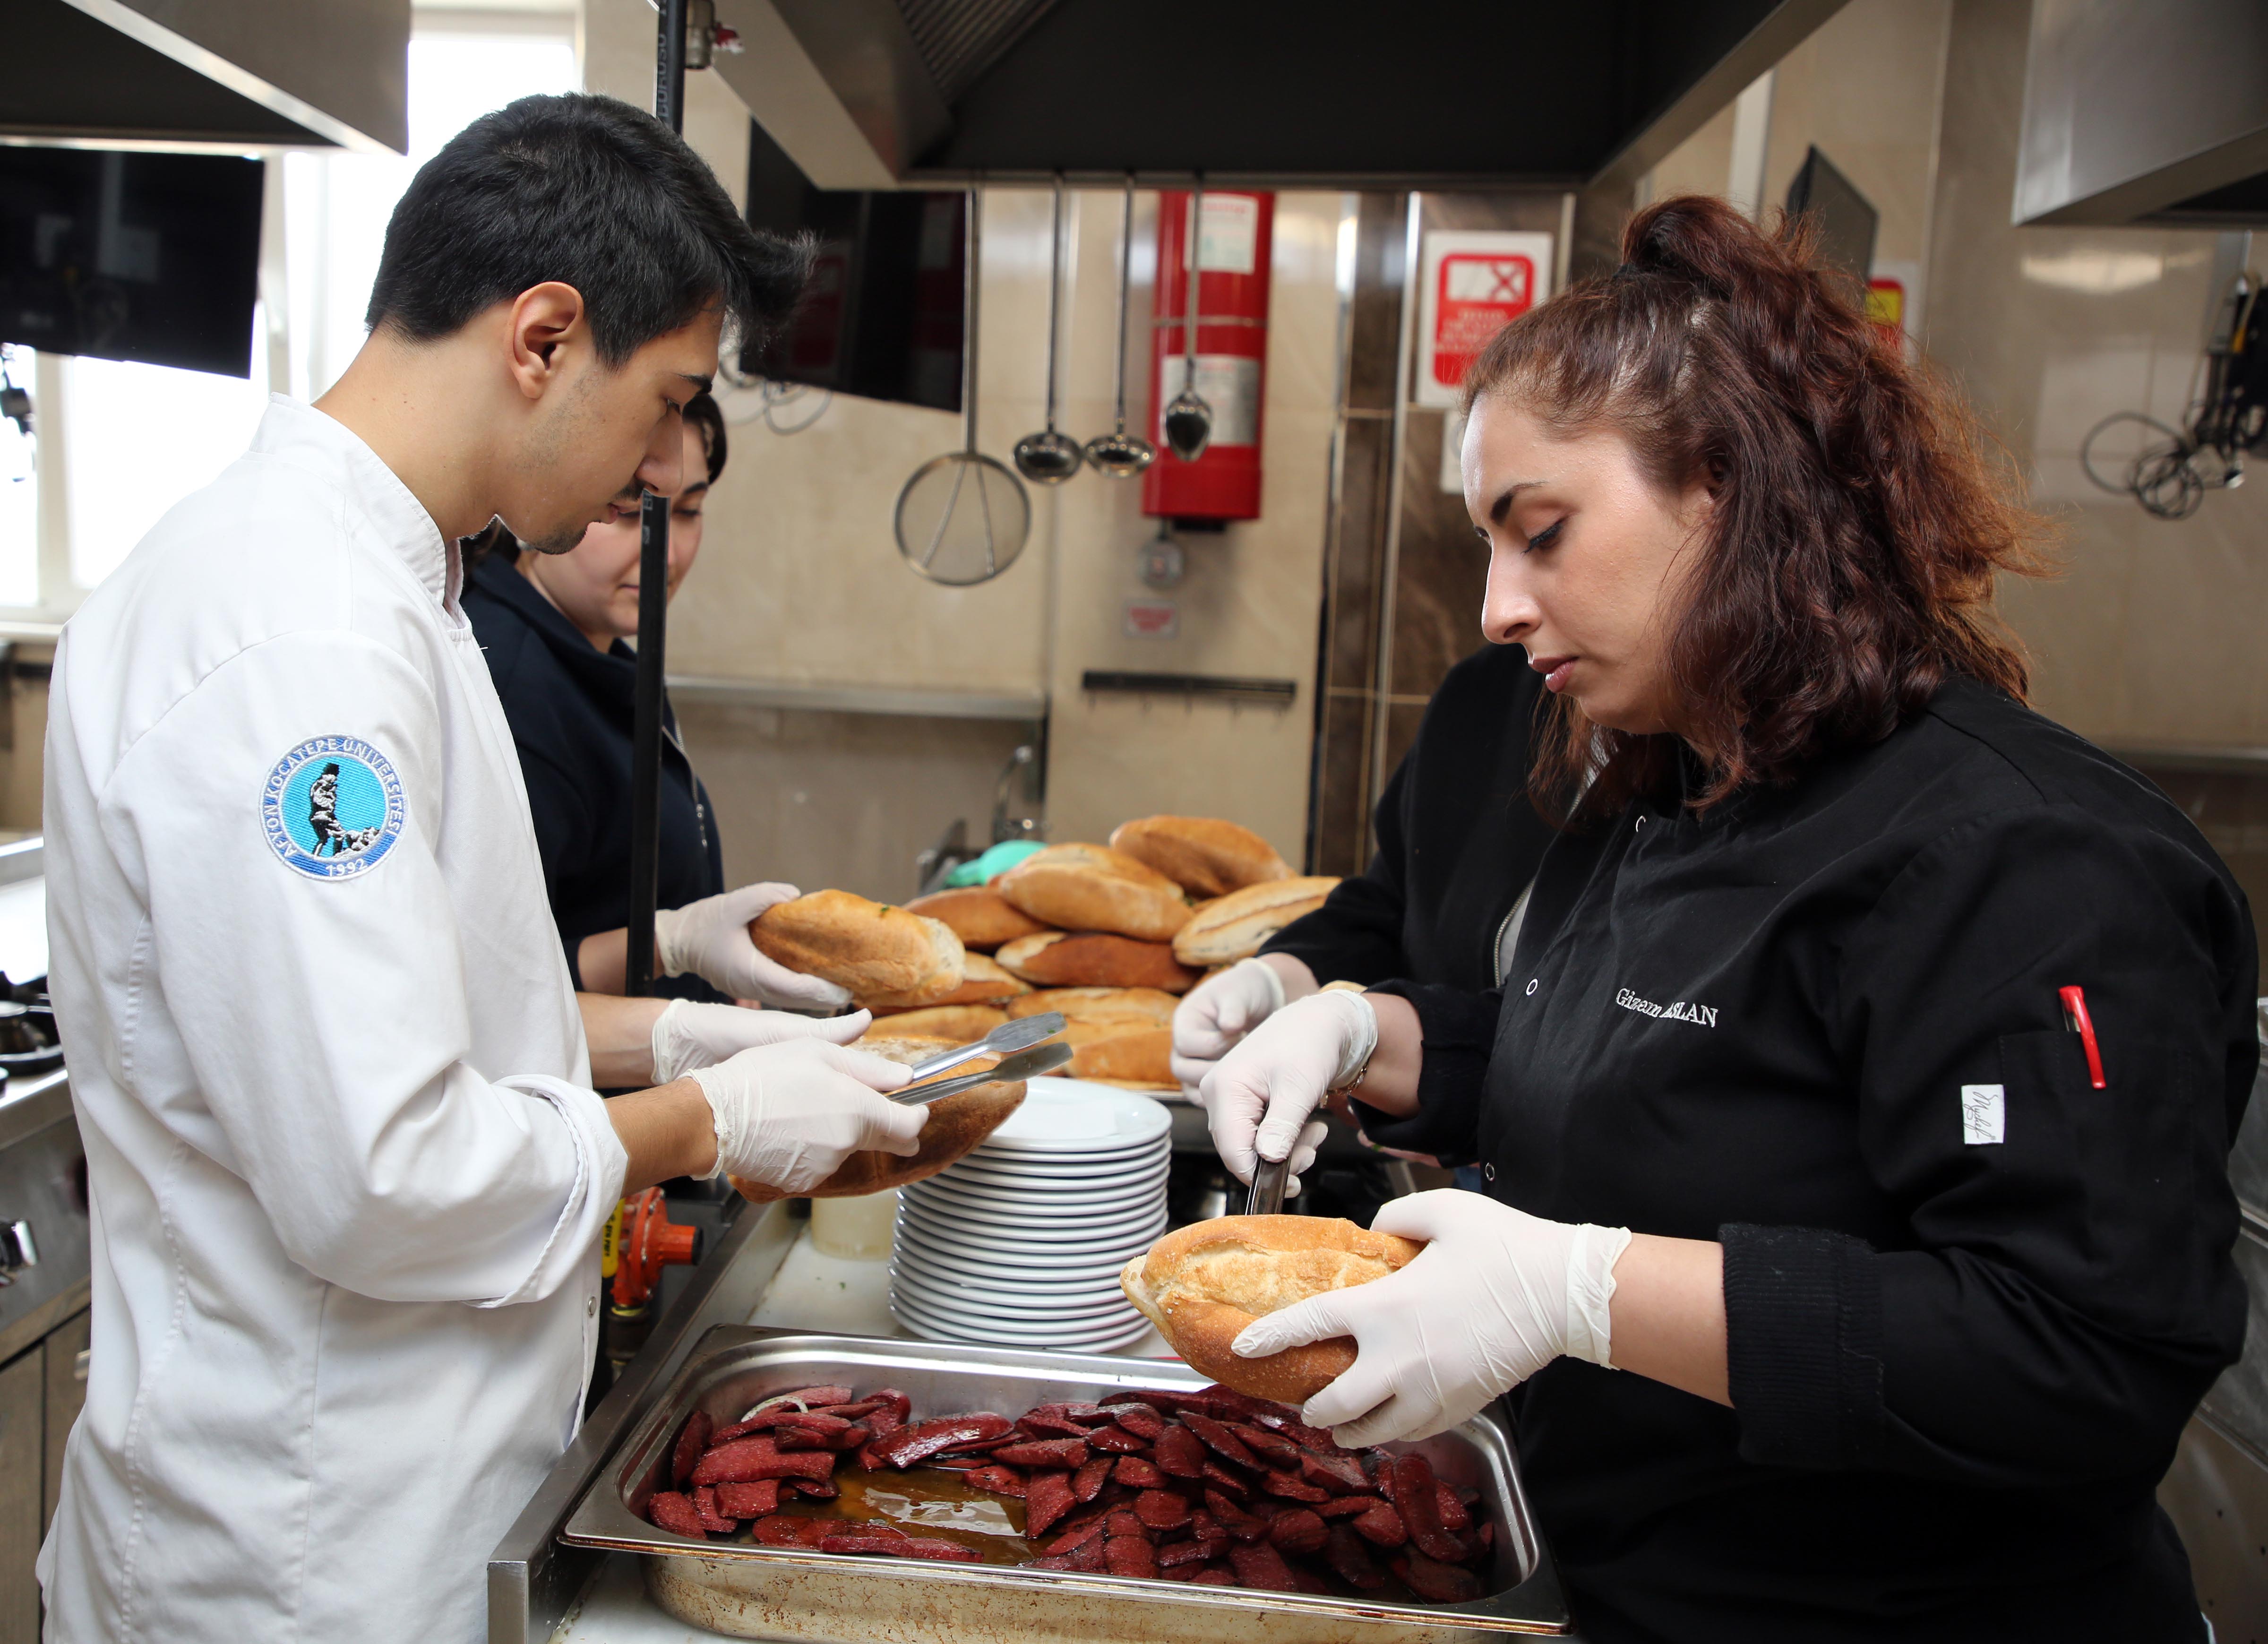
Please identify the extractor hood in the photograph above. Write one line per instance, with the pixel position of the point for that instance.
(1319, 93)
(2153, 113)
(206, 73)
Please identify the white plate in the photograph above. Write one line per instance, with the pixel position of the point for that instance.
(1017, 1209)
(1050, 1261)
(1072, 1115)
(984, 1328)
(998, 1232)
(1018, 1248)
(1052, 1181)
(945, 1298)
(940, 1268)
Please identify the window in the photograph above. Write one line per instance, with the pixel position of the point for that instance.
(129, 440)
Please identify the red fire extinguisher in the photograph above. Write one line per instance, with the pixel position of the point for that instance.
(1231, 332)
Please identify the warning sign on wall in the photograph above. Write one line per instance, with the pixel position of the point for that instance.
(1472, 282)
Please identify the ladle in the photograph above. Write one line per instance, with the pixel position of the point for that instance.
(1188, 421)
(1118, 453)
(1049, 457)
(963, 517)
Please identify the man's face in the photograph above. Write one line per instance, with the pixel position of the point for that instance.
(604, 435)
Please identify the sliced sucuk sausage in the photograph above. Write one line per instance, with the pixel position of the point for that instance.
(1087, 1482)
(1138, 1473)
(1297, 1530)
(814, 1489)
(675, 1512)
(875, 1530)
(809, 1397)
(939, 1550)
(1351, 1559)
(999, 1480)
(1219, 1440)
(1273, 1449)
(1046, 1563)
(1181, 1552)
(1290, 1487)
(692, 1439)
(1047, 1497)
(1453, 1515)
(1221, 1478)
(1068, 1454)
(1116, 1440)
(1077, 1536)
(745, 1460)
(752, 1500)
(1417, 1500)
(1441, 1583)
(1162, 1510)
(1215, 1575)
(782, 1530)
(1381, 1527)
(1088, 1555)
(1240, 1524)
(1124, 1522)
(1041, 1424)
(1204, 1526)
(887, 1546)
(1130, 1555)
(1138, 1420)
(1380, 1465)
(857, 1412)
(1179, 1452)
(704, 1508)
(1347, 1505)
(783, 1416)
(1259, 1564)
(1179, 1572)
(1318, 1440)
(1484, 1535)
(909, 1445)
(1340, 1475)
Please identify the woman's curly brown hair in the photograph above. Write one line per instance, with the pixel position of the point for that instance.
(1858, 523)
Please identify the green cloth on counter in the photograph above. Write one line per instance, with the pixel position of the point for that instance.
(982, 870)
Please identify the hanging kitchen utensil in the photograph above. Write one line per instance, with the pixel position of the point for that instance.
(1049, 457)
(963, 517)
(1189, 420)
(1118, 453)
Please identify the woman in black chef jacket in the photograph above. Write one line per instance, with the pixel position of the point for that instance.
(553, 627)
(1856, 1110)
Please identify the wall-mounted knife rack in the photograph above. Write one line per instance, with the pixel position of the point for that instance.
(1275, 693)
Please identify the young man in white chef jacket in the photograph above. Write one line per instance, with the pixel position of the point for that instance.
(347, 1166)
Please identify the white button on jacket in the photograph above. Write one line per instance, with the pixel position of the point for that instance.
(346, 1178)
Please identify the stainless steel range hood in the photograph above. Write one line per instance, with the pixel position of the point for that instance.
(207, 73)
(2153, 113)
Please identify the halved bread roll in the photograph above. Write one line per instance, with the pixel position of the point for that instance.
(1202, 854)
(983, 982)
(1236, 926)
(1088, 887)
(956, 1123)
(1202, 1284)
(949, 1024)
(1093, 959)
(1150, 1007)
(977, 914)
(867, 947)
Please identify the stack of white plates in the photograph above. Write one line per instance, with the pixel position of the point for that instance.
(1022, 1241)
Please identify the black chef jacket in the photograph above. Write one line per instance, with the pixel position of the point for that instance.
(570, 709)
(1959, 1366)
(1458, 841)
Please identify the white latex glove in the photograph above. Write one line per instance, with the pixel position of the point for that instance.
(789, 1114)
(1495, 1296)
(1260, 1100)
(710, 937)
(687, 1036)
(1216, 1013)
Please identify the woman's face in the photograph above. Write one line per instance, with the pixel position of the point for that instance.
(1586, 560)
(595, 583)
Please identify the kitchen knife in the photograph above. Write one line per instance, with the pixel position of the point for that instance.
(1269, 1180)
(1032, 1064)
(1009, 1035)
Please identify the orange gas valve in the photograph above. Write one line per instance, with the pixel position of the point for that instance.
(650, 1241)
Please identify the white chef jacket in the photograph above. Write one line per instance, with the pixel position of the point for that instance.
(346, 1179)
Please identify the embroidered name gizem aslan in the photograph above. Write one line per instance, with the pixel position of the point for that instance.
(1706, 1016)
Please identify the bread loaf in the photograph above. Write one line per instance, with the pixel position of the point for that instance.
(1202, 1284)
(867, 947)
(1090, 959)
(956, 1123)
(1143, 1005)
(1087, 887)
(1234, 926)
(1123, 1052)
(1202, 854)
(978, 914)
(947, 1024)
(983, 982)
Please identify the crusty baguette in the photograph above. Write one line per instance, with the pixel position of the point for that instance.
(983, 982)
(867, 947)
(1202, 1284)
(1088, 887)
(1093, 959)
(1150, 1007)
(979, 915)
(950, 1024)
(1202, 854)
(956, 1123)
(1235, 927)
(1121, 1050)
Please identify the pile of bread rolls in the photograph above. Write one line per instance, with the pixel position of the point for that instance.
(1106, 934)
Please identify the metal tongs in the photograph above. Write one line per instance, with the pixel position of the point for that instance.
(1033, 1064)
(1020, 1043)
(1270, 1178)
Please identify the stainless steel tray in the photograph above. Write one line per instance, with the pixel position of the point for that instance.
(789, 1593)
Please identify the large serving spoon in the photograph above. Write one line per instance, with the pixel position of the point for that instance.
(1188, 420)
(1118, 453)
(1049, 457)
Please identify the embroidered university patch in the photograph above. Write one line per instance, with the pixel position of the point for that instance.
(332, 807)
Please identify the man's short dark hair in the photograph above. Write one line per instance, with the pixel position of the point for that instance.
(590, 192)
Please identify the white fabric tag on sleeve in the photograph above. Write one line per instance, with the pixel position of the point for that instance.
(1983, 1114)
